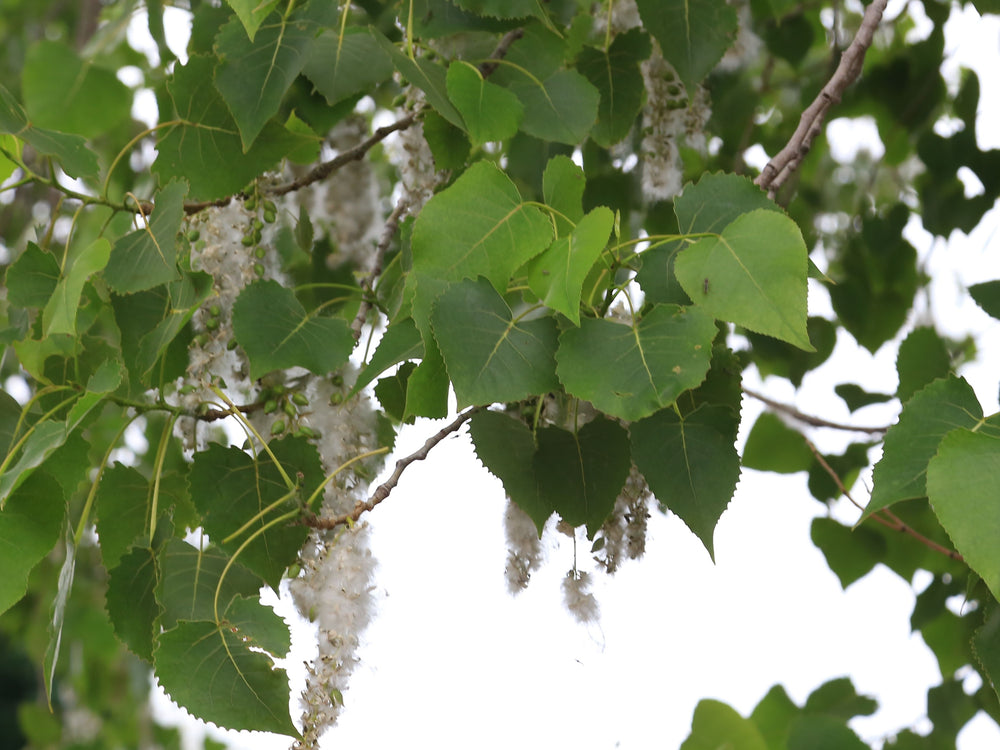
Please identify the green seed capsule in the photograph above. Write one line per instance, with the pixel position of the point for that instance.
(289, 408)
(257, 225)
(300, 399)
(259, 252)
(215, 311)
(270, 217)
(336, 399)
(307, 432)
(247, 240)
(212, 324)
(232, 344)
(186, 389)
(278, 427)
(193, 235)
(279, 390)
(337, 380)
(270, 406)
(258, 269)
(251, 204)
(269, 206)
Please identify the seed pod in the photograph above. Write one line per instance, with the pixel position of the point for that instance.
(300, 399)
(289, 408)
(278, 427)
(259, 252)
(258, 269)
(193, 235)
(270, 217)
(270, 406)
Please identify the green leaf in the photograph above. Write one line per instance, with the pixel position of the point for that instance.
(922, 358)
(254, 74)
(30, 524)
(717, 200)
(715, 726)
(32, 278)
(189, 578)
(260, 624)
(822, 733)
(615, 74)
(926, 418)
(65, 93)
(774, 357)
(449, 145)
(561, 107)
(839, 699)
(276, 332)
(69, 150)
(252, 13)
(506, 447)
(205, 148)
(987, 296)
(986, 645)
(211, 671)
(563, 184)
(504, 8)
(427, 76)
(59, 315)
(692, 35)
(580, 474)
(774, 715)
(850, 553)
(774, 446)
(633, 371)
(557, 275)
(183, 298)
(479, 225)
(491, 113)
(123, 509)
(857, 397)
(490, 356)
(427, 387)
(753, 274)
(400, 342)
(341, 64)
(132, 606)
(239, 496)
(57, 616)
(690, 464)
(962, 479)
(147, 257)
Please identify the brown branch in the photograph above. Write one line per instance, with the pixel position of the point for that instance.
(487, 68)
(321, 171)
(383, 490)
(884, 516)
(388, 231)
(811, 123)
(808, 418)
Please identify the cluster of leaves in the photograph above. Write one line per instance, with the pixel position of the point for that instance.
(532, 280)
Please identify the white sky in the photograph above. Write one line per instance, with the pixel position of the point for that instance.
(453, 661)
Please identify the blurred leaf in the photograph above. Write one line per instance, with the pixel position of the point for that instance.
(986, 295)
(69, 150)
(65, 93)
(922, 358)
(32, 278)
(857, 397)
(491, 113)
(850, 553)
(252, 13)
(132, 606)
(60, 312)
(342, 64)
(774, 446)
(715, 725)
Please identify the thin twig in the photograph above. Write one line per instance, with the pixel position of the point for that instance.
(321, 171)
(884, 516)
(388, 231)
(808, 418)
(811, 123)
(383, 490)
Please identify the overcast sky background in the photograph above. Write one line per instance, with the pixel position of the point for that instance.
(451, 659)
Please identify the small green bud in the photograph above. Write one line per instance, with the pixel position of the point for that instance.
(258, 269)
(212, 324)
(289, 408)
(186, 389)
(293, 570)
(300, 399)
(309, 432)
(269, 206)
(257, 225)
(259, 252)
(337, 380)
(200, 340)
(193, 235)
(270, 406)
(215, 311)
(247, 240)
(336, 399)
(251, 204)
(270, 217)
(278, 427)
